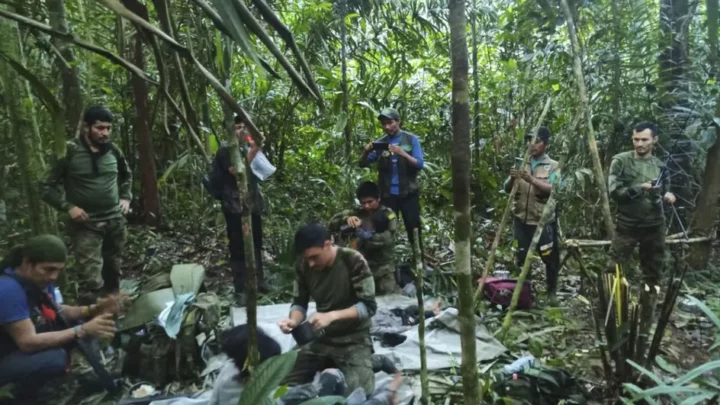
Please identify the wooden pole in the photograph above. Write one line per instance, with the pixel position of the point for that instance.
(419, 282)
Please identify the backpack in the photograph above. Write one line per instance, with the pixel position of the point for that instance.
(499, 291)
(540, 386)
(162, 359)
(212, 181)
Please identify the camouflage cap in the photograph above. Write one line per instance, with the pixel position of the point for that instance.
(389, 113)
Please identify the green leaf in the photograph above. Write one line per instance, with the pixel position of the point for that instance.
(556, 87)
(708, 312)
(267, 378)
(332, 400)
(663, 364)
(340, 123)
(237, 28)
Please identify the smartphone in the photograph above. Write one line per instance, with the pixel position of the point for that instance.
(380, 146)
(518, 162)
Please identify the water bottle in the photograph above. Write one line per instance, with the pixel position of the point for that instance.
(58, 296)
(519, 365)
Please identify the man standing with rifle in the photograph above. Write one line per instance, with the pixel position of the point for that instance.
(35, 330)
(636, 185)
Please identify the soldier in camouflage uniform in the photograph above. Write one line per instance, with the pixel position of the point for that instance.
(374, 228)
(634, 184)
(341, 284)
(96, 183)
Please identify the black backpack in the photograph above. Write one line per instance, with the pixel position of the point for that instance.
(212, 181)
(541, 386)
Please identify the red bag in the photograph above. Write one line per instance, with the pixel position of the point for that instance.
(499, 291)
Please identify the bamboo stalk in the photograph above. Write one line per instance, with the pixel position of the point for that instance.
(419, 285)
(585, 106)
(508, 207)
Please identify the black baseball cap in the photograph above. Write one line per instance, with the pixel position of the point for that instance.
(390, 114)
(543, 135)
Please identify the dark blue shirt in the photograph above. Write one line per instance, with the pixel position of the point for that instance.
(13, 307)
(417, 153)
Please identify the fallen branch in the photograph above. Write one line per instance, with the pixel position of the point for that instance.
(670, 240)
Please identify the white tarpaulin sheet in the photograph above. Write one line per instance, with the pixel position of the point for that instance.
(442, 337)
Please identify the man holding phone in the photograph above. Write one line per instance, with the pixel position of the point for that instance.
(534, 186)
(399, 158)
(233, 210)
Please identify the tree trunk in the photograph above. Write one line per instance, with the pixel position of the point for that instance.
(30, 163)
(706, 212)
(585, 105)
(419, 287)
(164, 16)
(243, 173)
(146, 154)
(344, 82)
(674, 84)
(476, 85)
(72, 96)
(712, 24)
(617, 126)
(461, 162)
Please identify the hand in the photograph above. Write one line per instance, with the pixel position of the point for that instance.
(646, 186)
(232, 170)
(125, 206)
(670, 198)
(515, 174)
(102, 326)
(354, 222)
(250, 141)
(287, 325)
(112, 304)
(396, 149)
(526, 176)
(368, 147)
(394, 386)
(320, 320)
(78, 214)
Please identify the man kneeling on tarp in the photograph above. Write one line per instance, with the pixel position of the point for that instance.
(33, 344)
(341, 284)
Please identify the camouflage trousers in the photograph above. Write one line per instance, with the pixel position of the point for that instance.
(98, 246)
(651, 241)
(384, 277)
(354, 360)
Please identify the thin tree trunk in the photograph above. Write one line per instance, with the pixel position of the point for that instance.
(72, 96)
(616, 130)
(476, 85)
(585, 105)
(344, 83)
(243, 173)
(706, 212)
(164, 16)
(461, 162)
(419, 286)
(508, 207)
(712, 24)
(146, 154)
(30, 162)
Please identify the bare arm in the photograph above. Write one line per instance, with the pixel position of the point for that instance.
(28, 341)
(544, 186)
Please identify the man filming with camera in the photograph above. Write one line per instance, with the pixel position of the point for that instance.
(636, 183)
(371, 227)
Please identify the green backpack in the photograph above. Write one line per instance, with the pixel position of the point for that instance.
(540, 386)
